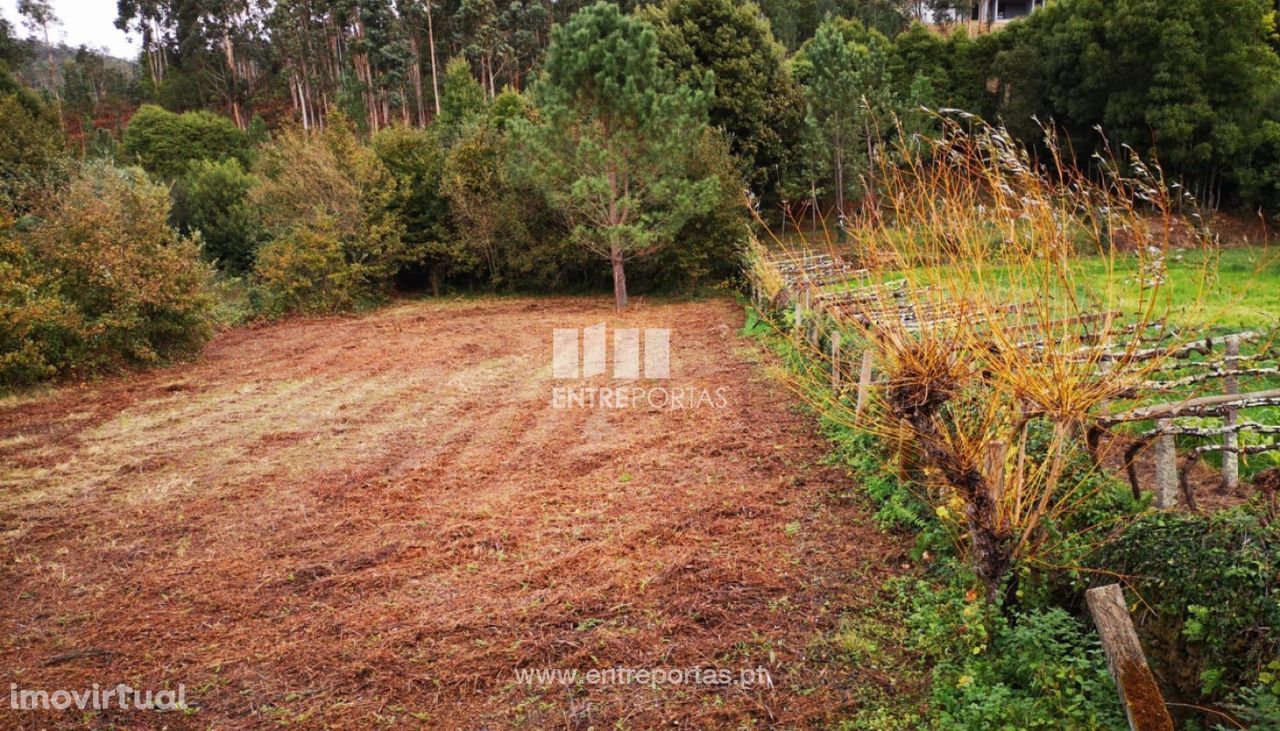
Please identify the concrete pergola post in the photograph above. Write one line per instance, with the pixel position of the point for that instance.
(1231, 439)
(1166, 462)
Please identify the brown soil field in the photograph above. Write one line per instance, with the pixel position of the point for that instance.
(375, 521)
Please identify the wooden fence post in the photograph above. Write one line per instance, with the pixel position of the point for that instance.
(864, 383)
(799, 316)
(1231, 439)
(1166, 459)
(1139, 694)
(835, 362)
(811, 322)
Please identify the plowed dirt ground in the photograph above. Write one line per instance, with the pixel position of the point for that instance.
(374, 522)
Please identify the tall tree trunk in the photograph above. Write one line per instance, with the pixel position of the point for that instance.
(870, 196)
(616, 217)
(364, 72)
(839, 184)
(431, 47)
(488, 65)
(53, 79)
(416, 71)
(293, 94)
(53, 76)
(813, 210)
(229, 52)
(619, 279)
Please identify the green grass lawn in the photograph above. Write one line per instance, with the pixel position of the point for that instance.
(1242, 292)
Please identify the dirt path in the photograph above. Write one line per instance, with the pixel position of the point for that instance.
(374, 522)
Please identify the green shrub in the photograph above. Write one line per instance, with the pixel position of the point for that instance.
(1258, 706)
(1036, 669)
(1043, 670)
(100, 281)
(213, 199)
(709, 245)
(1210, 607)
(415, 159)
(165, 144)
(330, 193)
(32, 159)
(305, 270)
(900, 506)
(486, 210)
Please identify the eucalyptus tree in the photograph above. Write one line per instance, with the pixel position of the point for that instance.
(38, 15)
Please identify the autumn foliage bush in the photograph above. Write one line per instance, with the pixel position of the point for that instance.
(100, 280)
(328, 205)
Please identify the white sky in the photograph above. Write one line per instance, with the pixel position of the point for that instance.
(88, 22)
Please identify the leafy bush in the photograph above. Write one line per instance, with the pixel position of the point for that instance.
(213, 199)
(32, 159)
(708, 247)
(900, 505)
(415, 159)
(1209, 601)
(1043, 670)
(165, 144)
(329, 192)
(306, 270)
(1258, 705)
(1038, 669)
(488, 212)
(101, 280)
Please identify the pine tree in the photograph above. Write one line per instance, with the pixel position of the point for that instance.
(852, 99)
(611, 152)
(755, 103)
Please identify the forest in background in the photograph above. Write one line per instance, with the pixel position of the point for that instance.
(320, 153)
(264, 160)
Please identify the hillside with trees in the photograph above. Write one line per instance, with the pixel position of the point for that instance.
(279, 163)
(797, 101)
